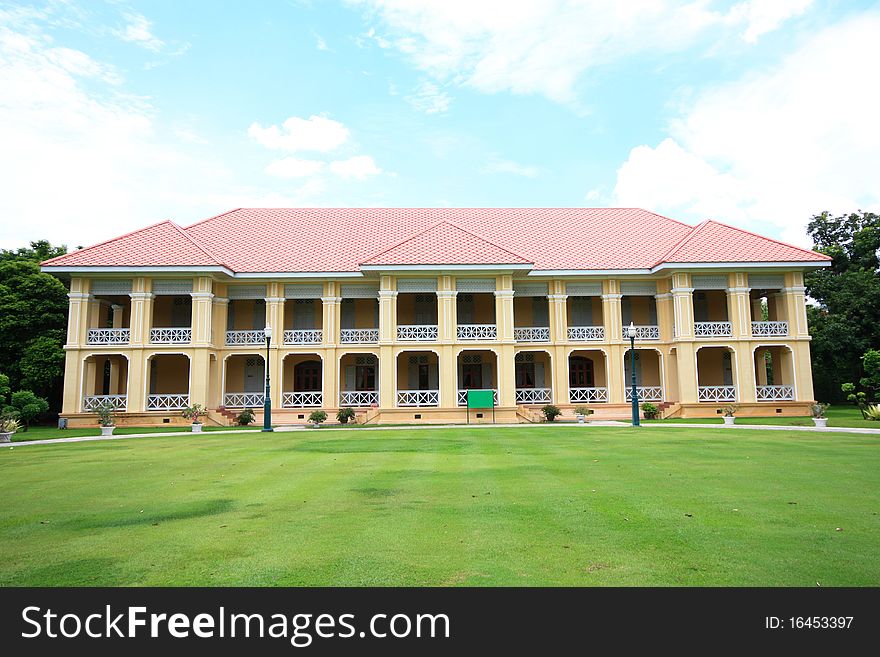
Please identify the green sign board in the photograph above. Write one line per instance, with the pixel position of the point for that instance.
(481, 399)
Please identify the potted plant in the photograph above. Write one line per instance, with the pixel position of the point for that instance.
(651, 411)
(344, 415)
(8, 426)
(581, 412)
(106, 417)
(193, 413)
(551, 412)
(316, 418)
(729, 414)
(245, 417)
(818, 412)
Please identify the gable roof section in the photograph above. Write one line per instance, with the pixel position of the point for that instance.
(713, 241)
(445, 244)
(161, 245)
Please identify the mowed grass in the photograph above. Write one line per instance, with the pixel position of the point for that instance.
(537, 505)
(838, 416)
(50, 433)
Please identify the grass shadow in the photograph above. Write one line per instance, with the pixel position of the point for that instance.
(133, 518)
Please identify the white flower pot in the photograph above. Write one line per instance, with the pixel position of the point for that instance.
(820, 421)
(107, 431)
(580, 419)
(729, 420)
(5, 437)
(197, 427)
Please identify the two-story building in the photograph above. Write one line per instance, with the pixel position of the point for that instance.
(397, 312)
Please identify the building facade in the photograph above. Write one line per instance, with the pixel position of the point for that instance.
(398, 312)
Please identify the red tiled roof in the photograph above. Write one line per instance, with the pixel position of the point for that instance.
(445, 244)
(161, 245)
(254, 240)
(712, 239)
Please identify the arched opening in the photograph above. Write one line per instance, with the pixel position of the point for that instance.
(477, 370)
(244, 383)
(105, 379)
(649, 376)
(168, 382)
(774, 373)
(533, 375)
(359, 380)
(302, 381)
(418, 378)
(587, 380)
(716, 375)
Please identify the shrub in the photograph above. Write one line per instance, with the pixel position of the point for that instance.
(872, 412)
(650, 410)
(194, 412)
(8, 425)
(583, 410)
(551, 412)
(26, 406)
(818, 410)
(106, 413)
(317, 417)
(245, 417)
(344, 415)
(730, 410)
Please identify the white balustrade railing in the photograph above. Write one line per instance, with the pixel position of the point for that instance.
(257, 336)
(418, 397)
(583, 395)
(302, 399)
(477, 332)
(646, 332)
(243, 399)
(775, 393)
(171, 335)
(108, 335)
(532, 334)
(358, 398)
(533, 395)
(91, 402)
(711, 329)
(359, 336)
(167, 402)
(417, 332)
(586, 333)
(646, 393)
(303, 336)
(769, 329)
(716, 393)
(462, 397)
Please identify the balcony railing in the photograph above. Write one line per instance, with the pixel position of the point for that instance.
(171, 335)
(462, 397)
(477, 332)
(303, 336)
(417, 332)
(716, 393)
(711, 329)
(769, 329)
(91, 402)
(646, 393)
(418, 397)
(257, 336)
(167, 402)
(359, 336)
(532, 334)
(775, 393)
(302, 399)
(533, 395)
(108, 336)
(586, 395)
(358, 398)
(646, 332)
(243, 399)
(586, 333)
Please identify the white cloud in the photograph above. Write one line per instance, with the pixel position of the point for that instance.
(138, 30)
(292, 167)
(320, 43)
(508, 166)
(774, 148)
(429, 98)
(358, 167)
(316, 133)
(544, 46)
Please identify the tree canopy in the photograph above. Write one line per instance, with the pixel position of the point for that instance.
(846, 322)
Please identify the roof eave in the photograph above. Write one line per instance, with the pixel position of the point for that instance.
(768, 264)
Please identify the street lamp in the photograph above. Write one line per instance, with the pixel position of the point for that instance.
(631, 332)
(267, 402)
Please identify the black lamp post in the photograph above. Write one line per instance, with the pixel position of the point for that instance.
(631, 332)
(267, 402)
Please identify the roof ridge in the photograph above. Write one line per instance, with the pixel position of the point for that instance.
(764, 237)
(199, 246)
(112, 239)
(684, 240)
(216, 216)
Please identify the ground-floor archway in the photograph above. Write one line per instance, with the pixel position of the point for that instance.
(168, 382)
(418, 379)
(244, 381)
(105, 380)
(716, 374)
(477, 369)
(587, 376)
(302, 380)
(774, 373)
(649, 374)
(359, 380)
(533, 376)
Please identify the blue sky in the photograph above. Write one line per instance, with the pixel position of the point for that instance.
(115, 115)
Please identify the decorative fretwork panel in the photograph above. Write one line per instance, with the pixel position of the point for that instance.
(587, 395)
(247, 292)
(775, 393)
(712, 329)
(769, 329)
(417, 285)
(245, 337)
(303, 291)
(359, 336)
(167, 402)
(312, 399)
(358, 398)
(710, 282)
(108, 336)
(530, 289)
(359, 291)
(91, 402)
(533, 395)
(171, 335)
(646, 393)
(477, 332)
(716, 393)
(475, 285)
(243, 399)
(532, 334)
(111, 288)
(303, 336)
(417, 332)
(585, 333)
(172, 287)
(638, 288)
(462, 397)
(766, 281)
(418, 397)
(648, 332)
(583, 289)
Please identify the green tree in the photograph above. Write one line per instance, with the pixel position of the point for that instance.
(846, 322)
(5, 388)
(26, 406)
(38, 252)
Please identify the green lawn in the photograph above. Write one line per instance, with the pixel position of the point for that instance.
(47, 433)
(838, 416)
(537, 505)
